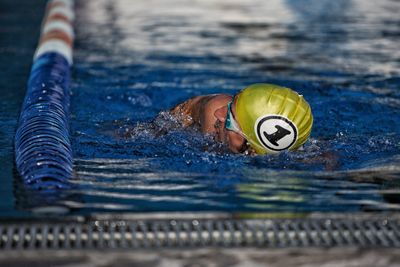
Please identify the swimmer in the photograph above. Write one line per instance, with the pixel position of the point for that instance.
(260, 119)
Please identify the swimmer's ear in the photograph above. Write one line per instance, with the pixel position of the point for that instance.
(220, 113)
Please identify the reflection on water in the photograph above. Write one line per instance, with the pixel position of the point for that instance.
(133, 60)
(128, 185)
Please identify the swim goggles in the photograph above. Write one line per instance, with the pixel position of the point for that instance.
(230, 122)
(232, 125)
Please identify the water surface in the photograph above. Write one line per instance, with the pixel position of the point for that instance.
(134, 60)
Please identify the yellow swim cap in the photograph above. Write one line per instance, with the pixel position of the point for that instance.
(273, 118)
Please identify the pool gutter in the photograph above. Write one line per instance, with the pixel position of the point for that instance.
(174, 230)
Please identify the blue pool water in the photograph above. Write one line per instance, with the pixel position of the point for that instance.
(134, 60)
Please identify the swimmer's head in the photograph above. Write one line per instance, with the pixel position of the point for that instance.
(273, 118)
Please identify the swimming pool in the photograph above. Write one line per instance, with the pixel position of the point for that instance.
(132, 61)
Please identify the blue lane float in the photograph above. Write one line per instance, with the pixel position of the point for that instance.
(43, 153)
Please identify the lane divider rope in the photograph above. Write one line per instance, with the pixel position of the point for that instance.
(43, 153)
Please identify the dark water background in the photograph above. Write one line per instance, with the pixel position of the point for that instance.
(19, 33)
(135, 59)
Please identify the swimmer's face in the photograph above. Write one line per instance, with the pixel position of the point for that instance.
(233, 140)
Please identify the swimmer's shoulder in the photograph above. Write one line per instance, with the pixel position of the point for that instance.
(207, 104)
(185, 107)
(207, 116)
(193, 104)
(191, 111)
(186, 112)
(217, 100)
